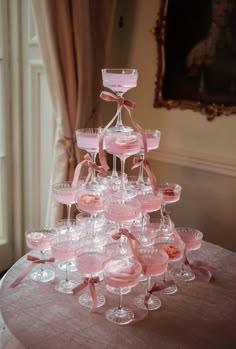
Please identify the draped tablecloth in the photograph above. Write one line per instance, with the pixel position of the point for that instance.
(200, 315)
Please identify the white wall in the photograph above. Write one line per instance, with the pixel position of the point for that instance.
(198, 154)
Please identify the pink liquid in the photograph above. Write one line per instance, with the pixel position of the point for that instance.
(170, 195)
(65, 196)
(65, 250)
(118, 273)
(123, 145)
(152, 265)
(149, 202)
(90, 262)
(39, 241)
(192, 245)
(119, 83)
(88, 141)
(90, 203)
(152, 141)
(121, 213)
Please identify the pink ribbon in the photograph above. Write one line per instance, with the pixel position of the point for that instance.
(133, 242)
(90, 282)
(157, 288)
(138, 161)
(121, 103)
(86, 162)
(34, 261)
(201, 266)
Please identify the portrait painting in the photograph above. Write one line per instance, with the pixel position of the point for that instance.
(196, 43)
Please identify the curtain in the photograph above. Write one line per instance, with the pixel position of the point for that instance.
(75, 39)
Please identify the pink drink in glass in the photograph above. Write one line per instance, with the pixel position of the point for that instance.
(123, 144)
(121, 210)
(89, 202)
(153, 139)
(150, 202)
(171, 192)
(119, 80)
(90, 262)
(88, 140)
(191, 237)
(65, 192)
(153, 261)
(39, 240)
(64, 249)
(123, 272)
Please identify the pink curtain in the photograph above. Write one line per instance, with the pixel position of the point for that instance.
(75, 39)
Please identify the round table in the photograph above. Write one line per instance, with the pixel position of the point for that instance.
(200, 315)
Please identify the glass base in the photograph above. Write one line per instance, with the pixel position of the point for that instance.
(184, 275)
(45, 275)
(153, 303)
(86, 300)
(119, 316)
(71, 266)
(116, 290)
(64, 286)
(170, 290)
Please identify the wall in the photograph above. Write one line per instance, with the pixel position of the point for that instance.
(198, 154)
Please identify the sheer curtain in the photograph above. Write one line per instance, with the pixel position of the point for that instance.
(75, 39)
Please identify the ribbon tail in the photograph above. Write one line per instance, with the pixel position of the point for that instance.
(92, 290)
(22, 275)
(79, 287)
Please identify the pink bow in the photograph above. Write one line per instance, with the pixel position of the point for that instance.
(90, 282)
(157, 288)
(34, 261)
(121, 103)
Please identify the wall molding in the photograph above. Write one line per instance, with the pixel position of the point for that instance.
(196, 160)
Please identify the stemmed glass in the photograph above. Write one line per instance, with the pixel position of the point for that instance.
(119, 81)
(88, 139)
(40, 240)
(171, 193)
(153, 141)
(173, 246)
(65, 193)
(119, 273)
(123, 145)
(65, 247)
(90, 258)
(154, 263)
(192, 239)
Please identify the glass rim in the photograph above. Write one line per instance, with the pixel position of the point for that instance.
(120, 70)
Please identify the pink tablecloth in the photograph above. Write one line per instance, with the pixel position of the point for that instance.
(201, 315)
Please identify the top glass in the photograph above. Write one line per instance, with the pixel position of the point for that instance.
(119, 80)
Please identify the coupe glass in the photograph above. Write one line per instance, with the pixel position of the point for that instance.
(154, 262)
(173, 246)
(119, 273)
(89, 261)
(40, 240)
(119, 81)
(64, 247)
(65, 193)
(171, 193)
(192, 239)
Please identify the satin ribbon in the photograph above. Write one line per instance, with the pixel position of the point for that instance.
(121, 103)
(34, 261)
(133, 242)
(157, 288)
(90, 282)
(201, 266)
(138, 161)
(86, 162)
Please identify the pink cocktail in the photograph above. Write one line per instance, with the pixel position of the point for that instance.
(88, 139)
(40, 239)
(119, 210)
(123, 144)
(152, 138)
(89, 201)
(150, 202)
(90, 262)
(119, 80)
(191, 237)
(171, 192)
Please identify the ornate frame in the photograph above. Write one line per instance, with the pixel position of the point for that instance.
(210, 109)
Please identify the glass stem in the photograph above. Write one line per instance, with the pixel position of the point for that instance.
(119, 118)
(148, 282)
(163, 208)
(67, 271)
(93, 156)
(122, 163)
(140, 176)
(120, 299)
(42, 257)
(114, 172)
(68, 212)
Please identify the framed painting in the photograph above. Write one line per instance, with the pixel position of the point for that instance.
(196, 43)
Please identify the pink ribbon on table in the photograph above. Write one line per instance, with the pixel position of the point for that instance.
(90, 282)
(157, 288)
(86, 162)
(121, 103)
(138, 161)
(201, 266)
(26, 271)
